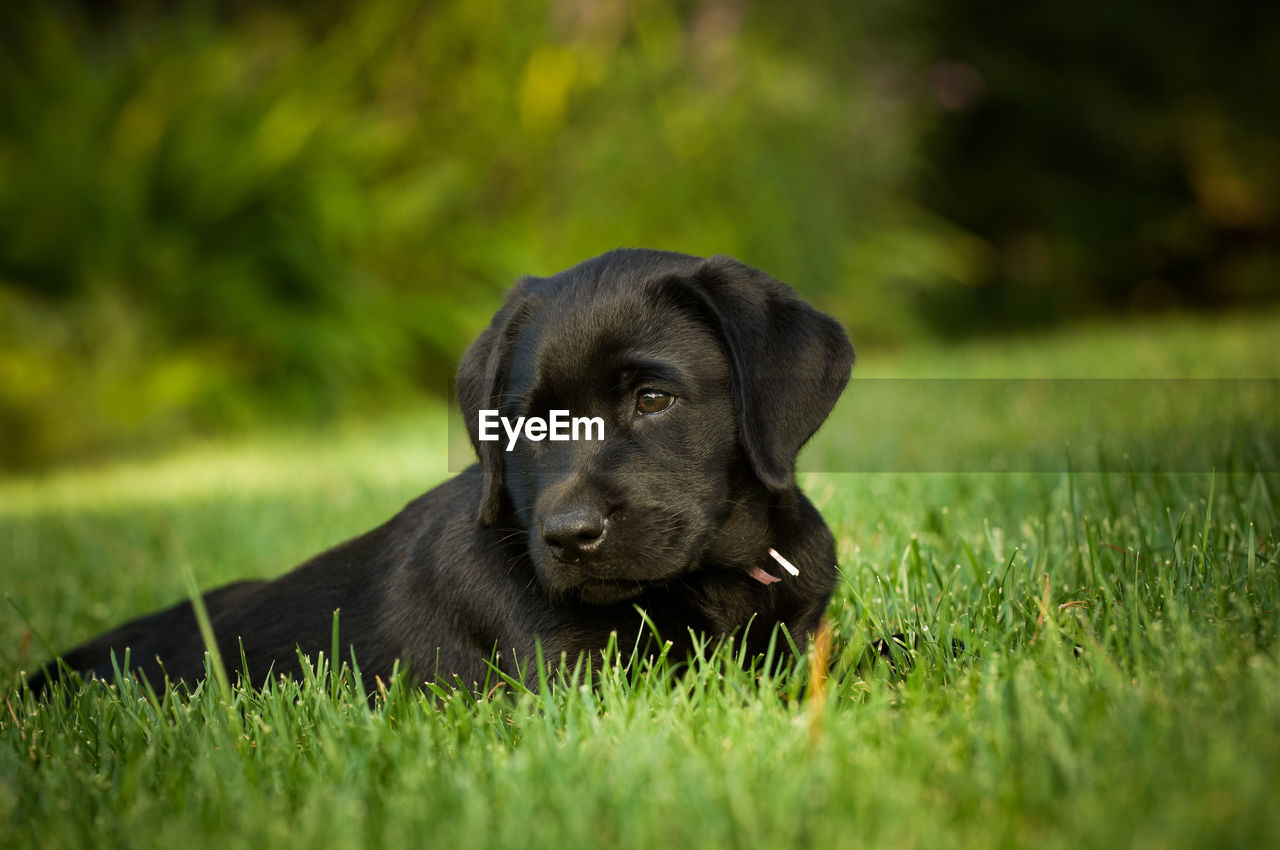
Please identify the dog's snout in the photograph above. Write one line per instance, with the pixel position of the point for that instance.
(573, 533)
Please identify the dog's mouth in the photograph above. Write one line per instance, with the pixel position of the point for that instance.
(607, 592)
(604, 569)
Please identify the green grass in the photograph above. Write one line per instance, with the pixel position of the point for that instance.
(1119, 686)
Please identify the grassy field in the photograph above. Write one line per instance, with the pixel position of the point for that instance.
(1119, 683)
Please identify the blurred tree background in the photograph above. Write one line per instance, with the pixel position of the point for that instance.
(215, 215)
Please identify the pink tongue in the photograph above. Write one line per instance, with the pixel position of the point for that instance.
(762, 577)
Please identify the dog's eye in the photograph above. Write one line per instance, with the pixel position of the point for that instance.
(653, 401)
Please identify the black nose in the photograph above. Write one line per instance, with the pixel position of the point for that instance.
(573, 533)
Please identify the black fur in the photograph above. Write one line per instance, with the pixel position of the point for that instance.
(562, 542)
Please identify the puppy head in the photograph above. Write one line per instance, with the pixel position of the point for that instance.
(708, 376)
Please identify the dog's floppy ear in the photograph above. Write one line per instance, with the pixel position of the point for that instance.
(481, 384)
(788, 362)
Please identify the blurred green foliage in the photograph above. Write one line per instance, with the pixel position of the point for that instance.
(212, 214)
(1114, 157)
(223, 212)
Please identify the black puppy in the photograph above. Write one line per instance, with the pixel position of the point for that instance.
(707, 377)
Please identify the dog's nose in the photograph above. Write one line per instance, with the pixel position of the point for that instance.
(573, 533)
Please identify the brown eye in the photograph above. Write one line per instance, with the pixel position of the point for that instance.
(653, 401)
